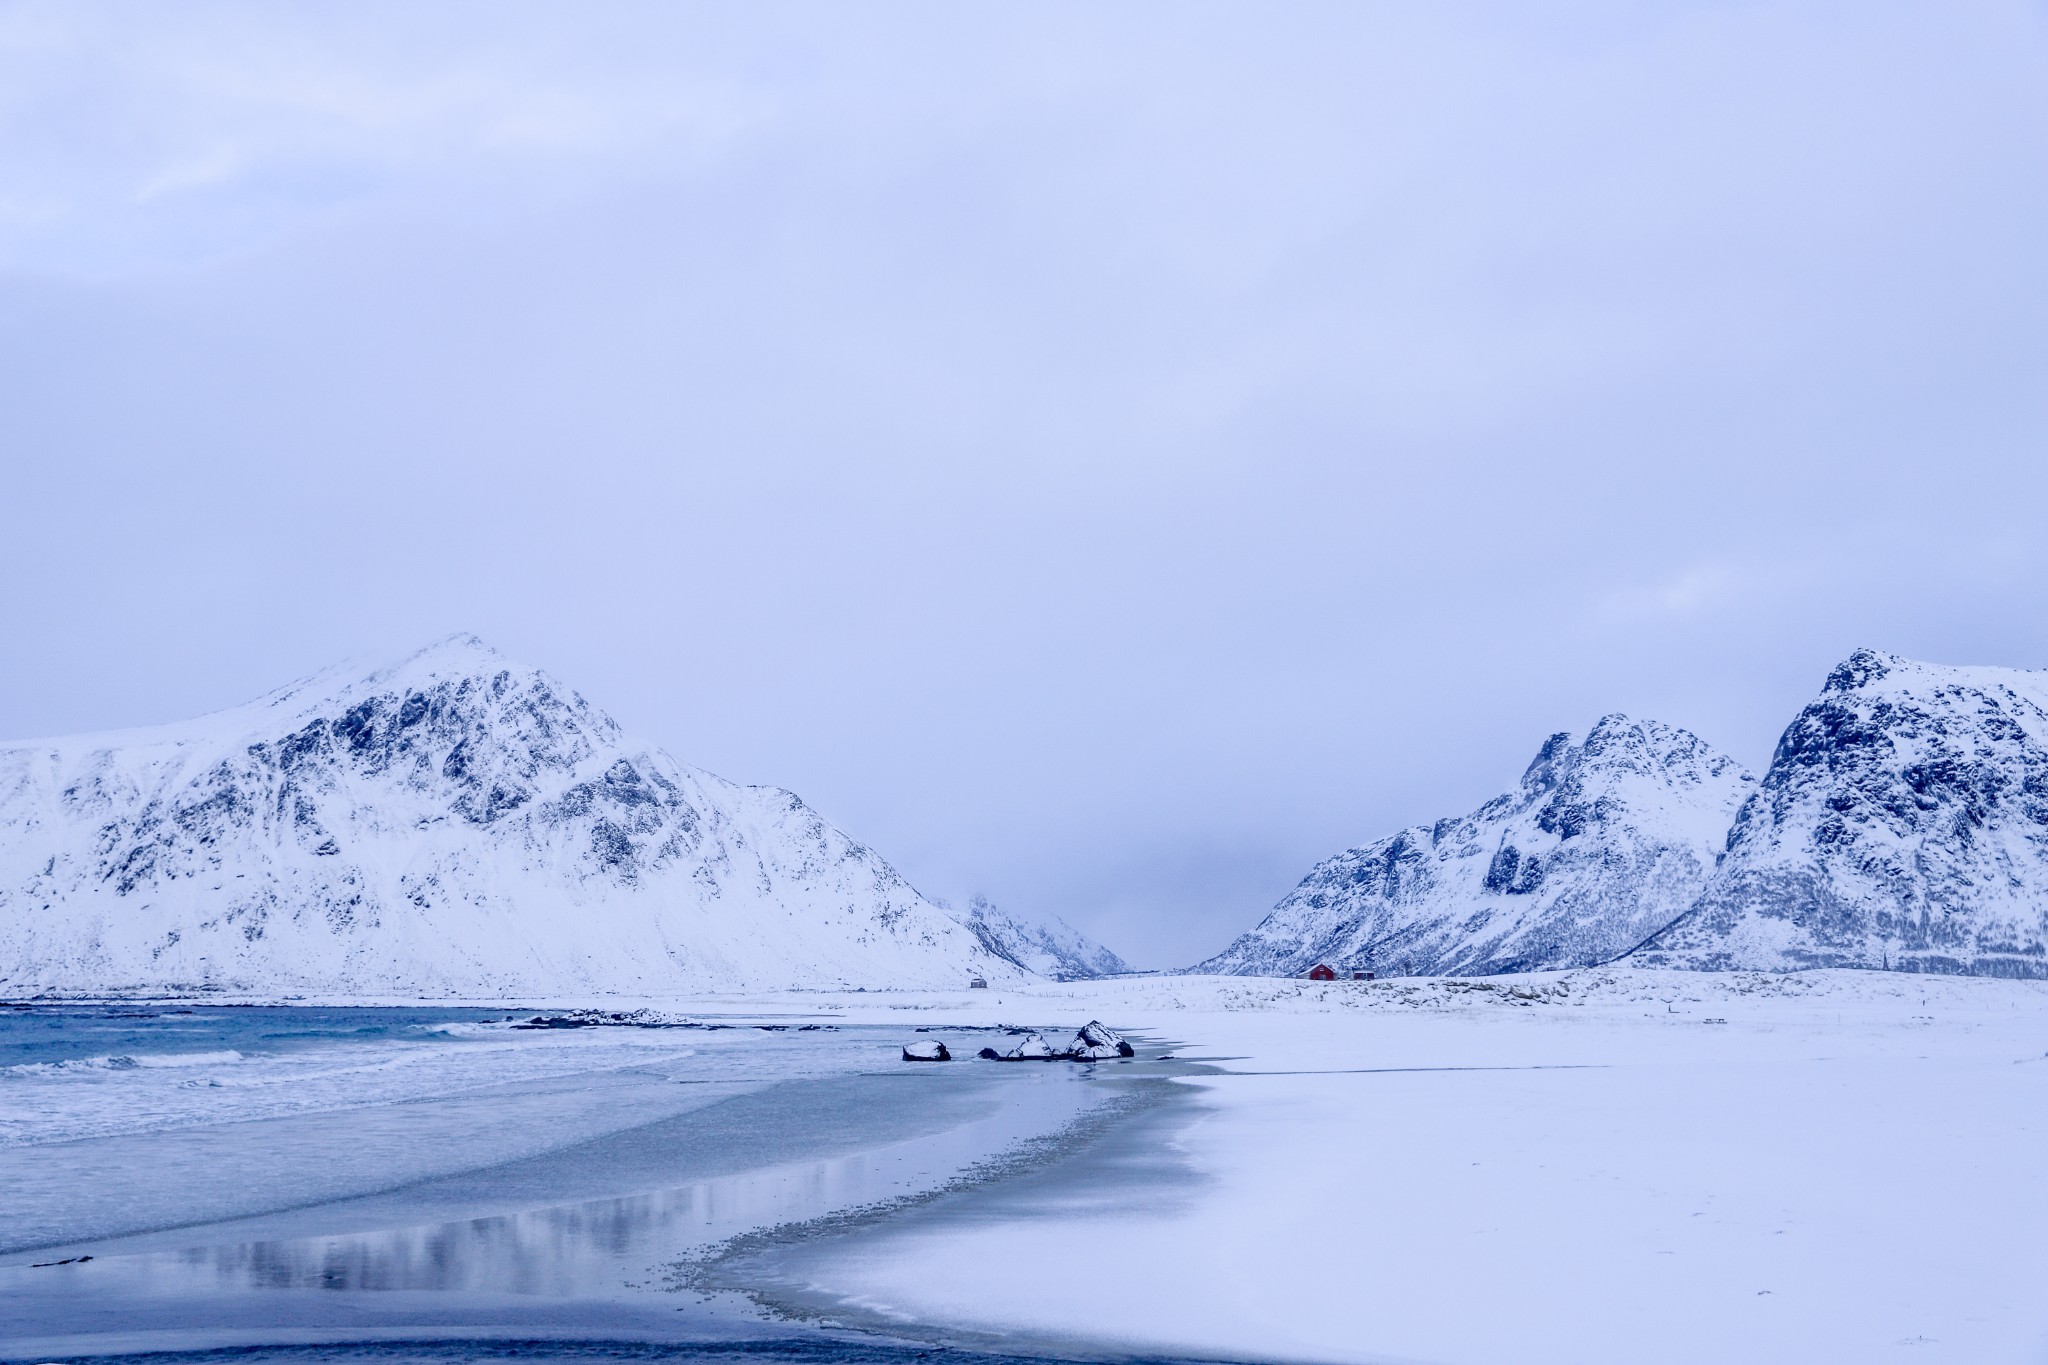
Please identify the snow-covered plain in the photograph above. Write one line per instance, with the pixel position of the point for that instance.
(1592, 1166)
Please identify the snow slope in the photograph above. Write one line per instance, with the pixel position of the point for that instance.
(1903, 823)
(1601, 843)
(454, 825)
(1050, 947)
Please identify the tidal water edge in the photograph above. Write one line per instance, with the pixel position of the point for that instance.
(197, 1180)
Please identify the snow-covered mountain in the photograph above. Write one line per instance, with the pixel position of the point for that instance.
(1903, 823)
(1050, 947)
(1600, 843)
(456, 824)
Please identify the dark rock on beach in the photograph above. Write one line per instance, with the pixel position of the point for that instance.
(1095, 1043)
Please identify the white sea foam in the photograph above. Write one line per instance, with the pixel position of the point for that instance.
(119, 1062)
(121, 1093)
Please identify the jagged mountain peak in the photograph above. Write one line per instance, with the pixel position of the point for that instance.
(458, 655)
(1546, 770)
(1620, 748)
(452, 659)
(1862, 667)
(1874, 672)
(1601, 841)
(1903, 823)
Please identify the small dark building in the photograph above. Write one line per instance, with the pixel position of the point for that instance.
(1320, 972)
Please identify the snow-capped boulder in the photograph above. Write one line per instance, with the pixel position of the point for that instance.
(1601, 843)
(1903, 823)
(926, 1052)
(454, 825)
(1096, 1043)
(1032, 1048)
(1049, 947)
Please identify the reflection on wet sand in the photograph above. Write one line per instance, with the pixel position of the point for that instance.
(590, 1250)
(575, 1251)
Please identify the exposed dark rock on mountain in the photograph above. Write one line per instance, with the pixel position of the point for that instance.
(1601, 843)
(1903, 823)
(454, 825)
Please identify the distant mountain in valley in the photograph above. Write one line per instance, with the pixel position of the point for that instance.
(1603, 841)
(1049, 947)
(456, 824)
(1903, 824)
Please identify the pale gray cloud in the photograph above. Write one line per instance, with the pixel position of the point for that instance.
(1107, 457)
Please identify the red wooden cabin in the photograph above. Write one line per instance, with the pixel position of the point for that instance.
(1319, 972)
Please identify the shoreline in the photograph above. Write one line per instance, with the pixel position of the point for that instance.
(1598, 1157)
(752, 1263)
(1609, 983)
(797, 1154)
(1124, 1159)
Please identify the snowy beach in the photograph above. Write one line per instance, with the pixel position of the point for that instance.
(1059, 684)
(1587, 1166)
(239, 1176)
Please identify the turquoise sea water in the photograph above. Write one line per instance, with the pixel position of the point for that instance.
(49, 1034)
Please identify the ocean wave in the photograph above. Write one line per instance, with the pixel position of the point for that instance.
(120, 1062)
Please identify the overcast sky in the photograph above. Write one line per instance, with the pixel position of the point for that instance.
(1106, 456)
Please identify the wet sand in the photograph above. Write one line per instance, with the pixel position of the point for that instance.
(1119, 1158)
(642, 1234)
(1109, 1155)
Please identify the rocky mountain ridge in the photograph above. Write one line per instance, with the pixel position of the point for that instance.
(1603, 841)
(454, 825)
(1902, 824)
